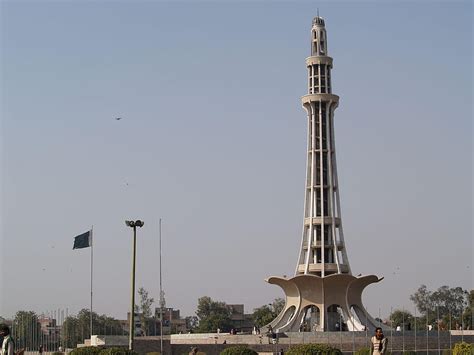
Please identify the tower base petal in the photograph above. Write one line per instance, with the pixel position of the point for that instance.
(330, 303)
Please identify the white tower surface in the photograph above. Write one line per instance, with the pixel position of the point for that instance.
(323, 295)
(322, 250)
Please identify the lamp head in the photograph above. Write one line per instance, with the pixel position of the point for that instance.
(136, 223)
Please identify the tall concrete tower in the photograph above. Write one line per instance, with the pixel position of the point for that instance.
(322, 250)
(323, 295)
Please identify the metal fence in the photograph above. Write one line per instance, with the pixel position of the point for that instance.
(438, 332)
(54, 331)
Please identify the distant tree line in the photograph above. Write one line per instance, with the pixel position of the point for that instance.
(446, 308)
(212, 315)
(29, 334)
(77, 328)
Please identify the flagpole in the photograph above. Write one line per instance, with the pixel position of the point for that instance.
(161, 301)
(92, 258)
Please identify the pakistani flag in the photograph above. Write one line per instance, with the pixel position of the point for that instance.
(83, 241)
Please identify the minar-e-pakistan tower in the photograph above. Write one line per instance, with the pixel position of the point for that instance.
(323, 295)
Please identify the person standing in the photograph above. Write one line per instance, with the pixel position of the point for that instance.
(8, 346)
(379, 343)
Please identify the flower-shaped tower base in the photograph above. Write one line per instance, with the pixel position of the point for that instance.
(328, 303)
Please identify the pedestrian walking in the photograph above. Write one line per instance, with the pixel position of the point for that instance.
(8, 345)
(379, 343)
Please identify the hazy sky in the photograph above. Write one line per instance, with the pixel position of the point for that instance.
(213, 141)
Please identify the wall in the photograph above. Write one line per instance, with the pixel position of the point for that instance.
(212, 344)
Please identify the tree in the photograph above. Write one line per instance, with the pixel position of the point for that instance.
(445, 305)
(27, 330)
(402, 319)
(108, 326)
(468, 312)
(83, 323)
(445, 300)
(278, 305)
(77, 328)
(452, 300)
(212, 315)
(145, 309)
(262, 315)
(422, 300)
(265, 314)
(192, 322)
(70, 334)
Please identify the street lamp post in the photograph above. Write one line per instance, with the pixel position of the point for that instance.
(162, 299)
(134, 225)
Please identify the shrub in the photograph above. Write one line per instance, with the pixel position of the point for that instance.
(363, 351)
(86, 350)
(191, 352)
(238, 350)
(313, 349)
(153, 353)
(463, 349)
(117, 351)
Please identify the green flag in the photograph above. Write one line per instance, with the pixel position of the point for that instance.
(83, 240)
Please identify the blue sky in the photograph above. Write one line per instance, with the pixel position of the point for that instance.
(212, 140)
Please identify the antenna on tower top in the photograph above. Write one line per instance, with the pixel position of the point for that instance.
(317, 11)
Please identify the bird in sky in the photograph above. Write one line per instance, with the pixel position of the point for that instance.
(118, 118)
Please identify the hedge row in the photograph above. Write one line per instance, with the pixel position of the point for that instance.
(238, 350)
(301, 349)
(313, 349)
(94, 350)
(463, 349)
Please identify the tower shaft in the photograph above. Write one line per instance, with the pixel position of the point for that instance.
(322, 249)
